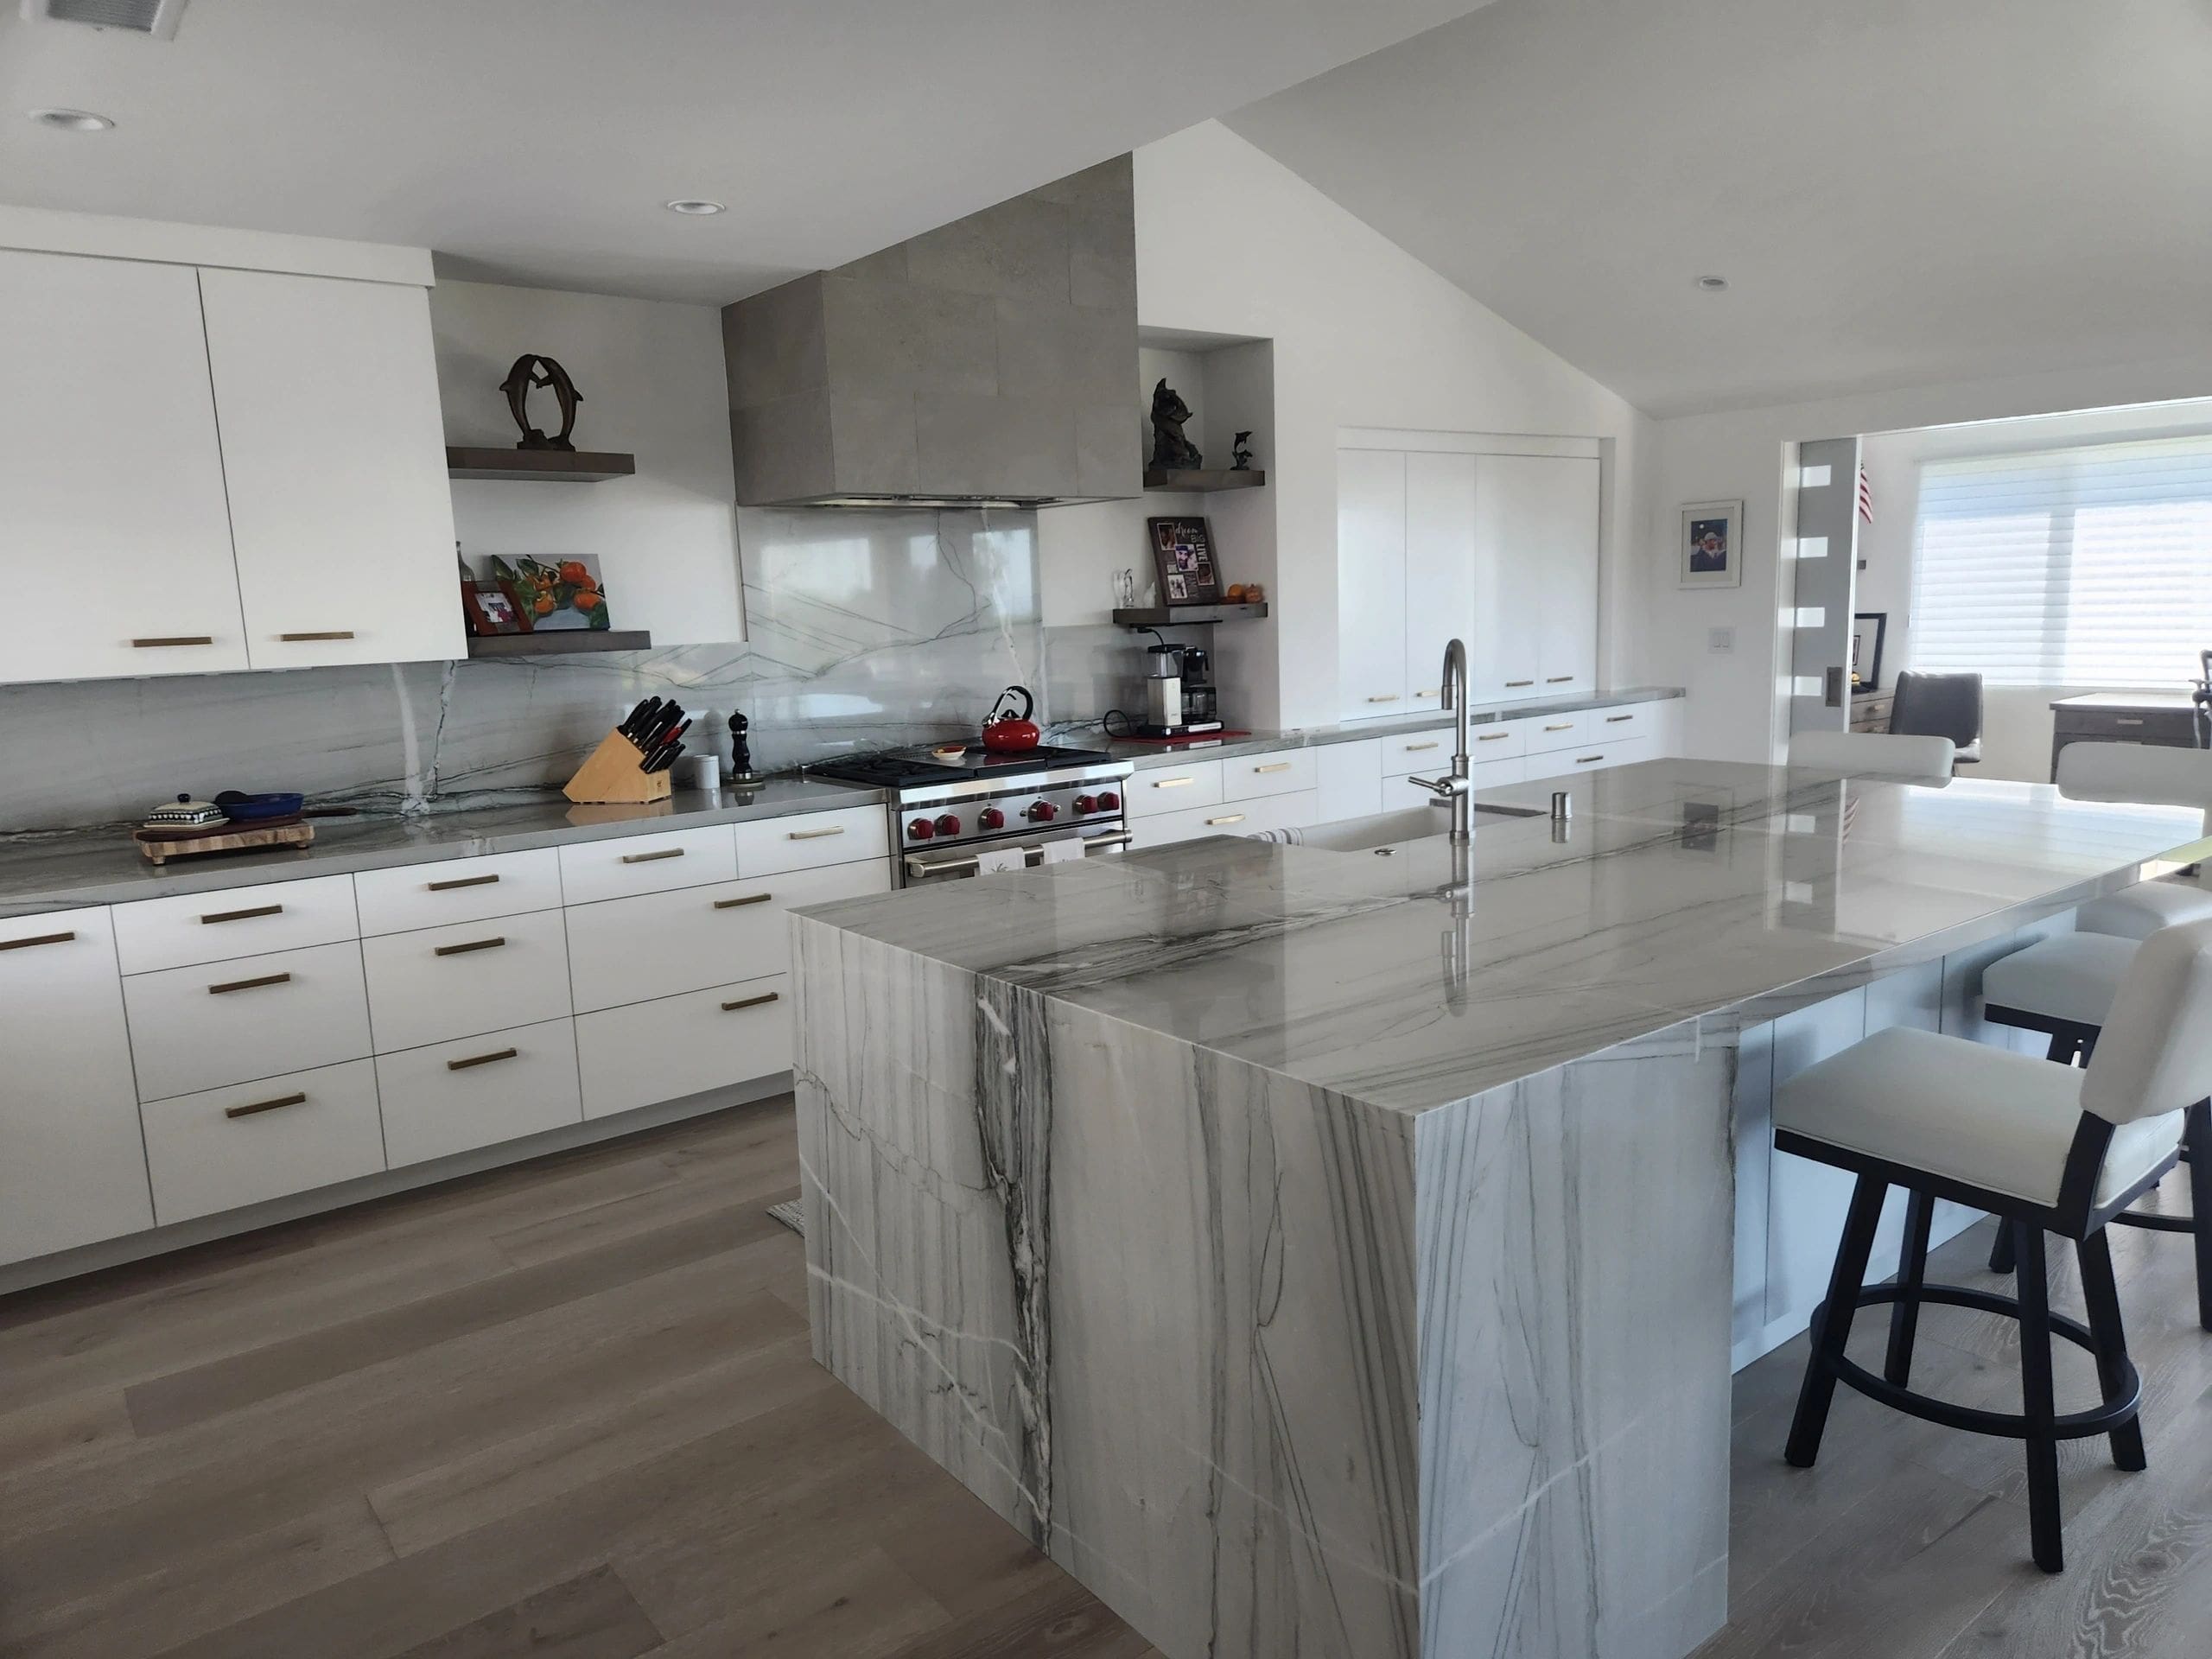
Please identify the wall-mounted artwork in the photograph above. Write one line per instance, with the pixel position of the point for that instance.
(1182, 551)
(1711, 544)
(1869, 629)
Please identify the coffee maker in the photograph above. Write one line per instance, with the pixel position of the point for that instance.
(1178, 693)
(1201, 713)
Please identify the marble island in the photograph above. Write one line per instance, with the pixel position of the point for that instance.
(1329, 1253)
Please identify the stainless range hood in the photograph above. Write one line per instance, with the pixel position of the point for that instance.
(989, 363)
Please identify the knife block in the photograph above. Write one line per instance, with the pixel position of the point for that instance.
(616, 772)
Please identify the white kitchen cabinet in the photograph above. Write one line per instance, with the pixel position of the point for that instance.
(204, 1026)
(1282, 771)
(333, 454)
(1247, 817)
(442, 983)
(457, 890)
(114, 540)
(1174, 789)
(451, 1098)
(627, 865)
(72, 1169)
(647, 1052)
(810, 841)
(185, 928)
(1372, 581)
(245, 1144)
(1440, 592)
(1348, 780)
(1535, 609)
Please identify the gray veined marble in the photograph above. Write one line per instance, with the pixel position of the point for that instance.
(1317, 1261)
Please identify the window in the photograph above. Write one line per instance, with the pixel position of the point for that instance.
(2067, 567)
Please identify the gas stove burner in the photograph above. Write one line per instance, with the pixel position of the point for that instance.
(910, 768)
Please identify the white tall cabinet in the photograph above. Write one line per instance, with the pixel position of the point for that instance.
(1371, 582)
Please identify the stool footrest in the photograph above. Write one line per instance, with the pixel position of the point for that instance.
(2157, 1224)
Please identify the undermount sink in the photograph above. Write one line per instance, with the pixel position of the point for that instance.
(1407, 824)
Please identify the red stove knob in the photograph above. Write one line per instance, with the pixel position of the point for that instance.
(920, 829)
(991, 819)
(1042, 811)
(948, 825)
(1086, 804)
(1108, 801)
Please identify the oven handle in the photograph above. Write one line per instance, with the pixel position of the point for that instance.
(921, 866)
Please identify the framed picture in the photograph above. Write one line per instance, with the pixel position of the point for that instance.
(489, 611)
(1711, 544)
(1868, 630)
(1182, 550)
(567, 594)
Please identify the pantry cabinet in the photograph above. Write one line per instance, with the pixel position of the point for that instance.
(1535, 574)
(1371, 588)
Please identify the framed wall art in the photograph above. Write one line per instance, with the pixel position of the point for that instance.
(1711, 544)
(1182, 550)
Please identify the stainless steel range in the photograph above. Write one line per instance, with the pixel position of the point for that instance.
(980, 810)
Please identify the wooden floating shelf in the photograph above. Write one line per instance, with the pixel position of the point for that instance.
(560, 640)
(549, 466)
(1188, 616)
(1182, 481)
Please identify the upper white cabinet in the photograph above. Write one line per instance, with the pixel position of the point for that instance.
(115, 544)
(1441, 569)
(333, 450)
(1372, 581)
(1536, 538)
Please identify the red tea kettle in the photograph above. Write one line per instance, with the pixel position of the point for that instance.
(1007, 732)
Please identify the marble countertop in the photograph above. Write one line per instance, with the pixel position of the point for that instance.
(1680, 889)
(1354, 731)
(42, 871)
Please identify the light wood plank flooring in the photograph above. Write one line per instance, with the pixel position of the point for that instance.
(568, 1408)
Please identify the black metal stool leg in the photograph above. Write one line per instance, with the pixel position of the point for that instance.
(2199, 1138)
(1912, 1272)
(2037, 1402)
(1832, 1328)
(2000, 1253)
(2101, 1292)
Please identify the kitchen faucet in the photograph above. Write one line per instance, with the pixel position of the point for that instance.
(1456, 790)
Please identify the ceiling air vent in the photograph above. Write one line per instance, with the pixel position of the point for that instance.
(156, 17)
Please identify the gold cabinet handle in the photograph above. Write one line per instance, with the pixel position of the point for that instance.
(1414, 747)
(328, 634)
(1615, 720)
(242, 915)
(1279, 766)
(249, 984)
(1515, 685)
(649, 858)
(1233, 817)
(492, 943)
(1585, 759)
(740, 904)
(751, 1001)
(1173, 783)
(481, 1059)
(1392, 697)
(1560, 679)
(264, 1106)
(173, 639)
(459, 881)
(1433, 691)
(813, 835)
(1491, 737)
(1564, 726)
(40, 939)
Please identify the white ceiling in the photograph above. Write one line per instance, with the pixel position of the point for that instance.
(536, 140)
(1900, 192)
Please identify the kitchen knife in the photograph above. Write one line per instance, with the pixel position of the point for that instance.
(641, 718)
(664, 725)
(664, 757)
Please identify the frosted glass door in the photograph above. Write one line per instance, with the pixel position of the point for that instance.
(1440, 570)
(1371, 582)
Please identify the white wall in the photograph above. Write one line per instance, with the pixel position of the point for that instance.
(1231, 243)
(1733, 701)
(651, 373)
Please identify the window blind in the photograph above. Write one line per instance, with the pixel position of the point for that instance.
(2088, 566)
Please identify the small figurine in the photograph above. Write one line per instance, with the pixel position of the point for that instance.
(1240, 453)
(531, 370)
(1170, 450)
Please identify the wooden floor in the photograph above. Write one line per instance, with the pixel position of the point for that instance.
(568, 1409)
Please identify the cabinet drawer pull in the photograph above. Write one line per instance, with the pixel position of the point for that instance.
(264, 1105)
(1279, 766)
(1564, 726)
(481, 1059)
(2124, 719)
(328, 633)
(40, 939)
(1491, 737)
(1173, 783)
(492, 943)
(1233, 817)
(1585, 759)
(173, 639)
(813, 835)
(242, 915)
(1615, 720)
(751, 1001)
(740, 903)
(460, 881)
(648, 858)
(1433, 691)
(1392, 697)
(249, 984)
(1515, 685)
(1560, 679)
(1412, 748)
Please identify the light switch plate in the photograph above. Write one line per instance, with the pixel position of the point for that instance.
(1720, 641)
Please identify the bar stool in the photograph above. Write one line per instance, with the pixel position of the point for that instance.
(2048, 1149)
(2146, 775)
(1875, 754)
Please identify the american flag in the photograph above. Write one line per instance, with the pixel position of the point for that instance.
(1866, 496)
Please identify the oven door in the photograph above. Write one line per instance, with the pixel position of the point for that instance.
(922, 869)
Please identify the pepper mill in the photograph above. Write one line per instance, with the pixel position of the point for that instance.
(740, 755)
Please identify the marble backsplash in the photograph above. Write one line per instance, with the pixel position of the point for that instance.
(866, 631)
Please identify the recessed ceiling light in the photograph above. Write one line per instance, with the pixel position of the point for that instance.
(693, 206)
(1713, 285)
(72, 120)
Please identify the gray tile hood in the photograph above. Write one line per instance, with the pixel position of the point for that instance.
(989, 361)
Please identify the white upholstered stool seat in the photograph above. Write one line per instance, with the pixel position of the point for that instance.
(2071, 977)
(2144, 909)
(1966, 1111)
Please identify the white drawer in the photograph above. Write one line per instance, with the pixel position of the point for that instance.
(290, 1134)
(662, 944)
(1610, 726)
(1246, 776)
(458, 890)
(1348, 780)
(441, 982)
(1173, 788)
(152, 934)
(452, 1097)
(1398, 793)
(1427, 752)
(1596, 757)
(1230, 818)
(1548, 731)
(1503, 739)
(592, 870)
(770, 846)
(200, 1027)
(679, 1045)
